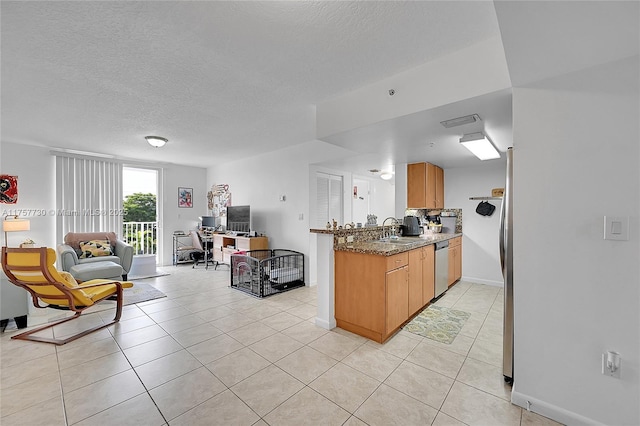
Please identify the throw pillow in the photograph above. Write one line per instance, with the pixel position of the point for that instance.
(95, 248)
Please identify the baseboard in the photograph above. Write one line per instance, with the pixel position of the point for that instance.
(483, 281)
(325, 324)
(553, 412)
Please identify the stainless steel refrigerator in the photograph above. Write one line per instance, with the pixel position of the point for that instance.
(506, 260)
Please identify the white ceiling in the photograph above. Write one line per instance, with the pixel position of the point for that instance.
(225, 80)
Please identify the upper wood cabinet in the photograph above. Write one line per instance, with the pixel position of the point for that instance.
(425, 186)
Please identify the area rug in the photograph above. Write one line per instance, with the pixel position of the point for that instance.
(157, 273)
(141, 292)
(438, 323)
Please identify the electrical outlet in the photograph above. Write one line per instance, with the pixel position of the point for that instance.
(340, 240)
(350, 238)
(611, 364)
(301, 216)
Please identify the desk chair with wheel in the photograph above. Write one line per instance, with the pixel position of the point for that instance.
(203, 244)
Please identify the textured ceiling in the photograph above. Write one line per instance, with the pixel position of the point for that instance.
(220, 80)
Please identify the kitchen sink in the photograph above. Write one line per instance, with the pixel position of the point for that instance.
(400, 240)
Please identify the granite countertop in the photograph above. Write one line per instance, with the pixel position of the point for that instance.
(384, 248)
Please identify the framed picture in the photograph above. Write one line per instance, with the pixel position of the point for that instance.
(8, 189)
(185, 197)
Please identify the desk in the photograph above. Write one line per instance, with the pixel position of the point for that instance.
(225, 245)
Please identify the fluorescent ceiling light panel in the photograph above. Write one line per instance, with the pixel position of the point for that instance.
(480, 146)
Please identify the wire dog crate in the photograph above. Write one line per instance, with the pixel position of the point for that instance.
(266, 272)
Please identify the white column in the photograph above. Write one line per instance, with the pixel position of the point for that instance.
(325, 276)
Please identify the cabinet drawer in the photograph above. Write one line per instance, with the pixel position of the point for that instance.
(454, 242)
(397, 261)
(243, 244)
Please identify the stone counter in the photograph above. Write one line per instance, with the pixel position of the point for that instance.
(390, 248)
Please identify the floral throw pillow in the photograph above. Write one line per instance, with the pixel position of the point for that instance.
(95, 248)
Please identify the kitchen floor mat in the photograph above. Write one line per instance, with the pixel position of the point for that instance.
(438, 323)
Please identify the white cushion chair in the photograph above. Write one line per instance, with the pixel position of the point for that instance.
(95, 255)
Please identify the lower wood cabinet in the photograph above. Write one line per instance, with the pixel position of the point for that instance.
(455, 260)
(375, 295)
(428, 274)
(397, 292)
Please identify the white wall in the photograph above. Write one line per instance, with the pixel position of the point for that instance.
(174, 218)
(480, 244)
(35, 168)
(576, 159)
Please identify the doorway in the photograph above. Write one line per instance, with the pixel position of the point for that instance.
(140, 222)
(361, 200)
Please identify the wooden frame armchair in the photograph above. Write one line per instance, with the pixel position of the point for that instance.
(33, 269)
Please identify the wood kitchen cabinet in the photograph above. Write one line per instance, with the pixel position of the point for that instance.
(375, 294)
(425, 186)
(421, 277)
(428, 274)
(416, 266)
(455, 259)
(371, 293)
(397, 292)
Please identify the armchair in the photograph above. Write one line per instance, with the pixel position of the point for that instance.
(83, 268)
(33, 269)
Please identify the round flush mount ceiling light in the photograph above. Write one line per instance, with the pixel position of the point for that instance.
(156, 141)
(386, 175)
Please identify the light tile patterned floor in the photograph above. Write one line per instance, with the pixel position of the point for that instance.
(208, 355)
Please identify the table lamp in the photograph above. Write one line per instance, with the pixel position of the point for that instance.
(13, 225)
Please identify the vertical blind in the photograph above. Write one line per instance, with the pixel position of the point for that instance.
(329, 199)
(88, 195)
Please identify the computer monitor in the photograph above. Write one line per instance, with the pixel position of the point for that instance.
(209, 222)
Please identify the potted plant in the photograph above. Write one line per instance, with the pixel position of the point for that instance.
(28, 243)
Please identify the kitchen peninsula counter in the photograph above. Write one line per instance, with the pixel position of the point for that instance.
(389, 248)
(381, 285)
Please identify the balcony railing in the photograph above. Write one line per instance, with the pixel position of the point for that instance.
(141, 235)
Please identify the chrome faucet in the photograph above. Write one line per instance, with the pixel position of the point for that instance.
(392, 233)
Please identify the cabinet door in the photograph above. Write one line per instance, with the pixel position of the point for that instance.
(452, 264)
(416, 259)
(416, 185)
(428, 274)
(431, 186)
(458, 264)
(439, 187)
(397, 292)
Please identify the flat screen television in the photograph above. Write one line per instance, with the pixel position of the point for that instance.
(239, 219)
(209, 222)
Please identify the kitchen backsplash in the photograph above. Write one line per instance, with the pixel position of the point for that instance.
(422, 213)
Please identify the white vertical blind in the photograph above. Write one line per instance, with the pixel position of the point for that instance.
(329, 199)
(88, 195)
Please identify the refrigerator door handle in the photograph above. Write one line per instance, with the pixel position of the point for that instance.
(502, 235)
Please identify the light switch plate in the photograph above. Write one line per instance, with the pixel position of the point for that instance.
(616, 228)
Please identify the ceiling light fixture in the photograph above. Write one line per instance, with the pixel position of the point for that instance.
(156, 141)
(480, 146)
(386, 175)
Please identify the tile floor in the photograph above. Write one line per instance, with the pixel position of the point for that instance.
(210, 355)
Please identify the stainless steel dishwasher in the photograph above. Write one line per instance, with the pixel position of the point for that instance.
(442, 267)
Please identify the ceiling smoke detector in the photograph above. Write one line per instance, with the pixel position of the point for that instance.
(454, 122)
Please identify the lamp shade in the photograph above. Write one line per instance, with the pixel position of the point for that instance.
(156, 141)
(480, 146)
(14, 225)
